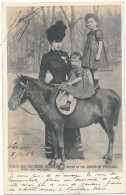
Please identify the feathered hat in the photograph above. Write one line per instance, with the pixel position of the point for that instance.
(56, 32)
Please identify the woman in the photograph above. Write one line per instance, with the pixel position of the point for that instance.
(57, 62)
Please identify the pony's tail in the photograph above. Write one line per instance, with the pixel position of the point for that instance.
(117, 114)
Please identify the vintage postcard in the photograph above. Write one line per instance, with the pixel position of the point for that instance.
(63, 98)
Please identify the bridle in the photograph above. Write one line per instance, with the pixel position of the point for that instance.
(23, 85)
(20, 105)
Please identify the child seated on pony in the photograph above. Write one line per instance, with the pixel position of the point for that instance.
(78, 85)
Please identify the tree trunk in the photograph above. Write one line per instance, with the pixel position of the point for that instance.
(53, 15)
(72, 29)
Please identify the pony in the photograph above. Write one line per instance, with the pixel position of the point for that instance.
(103, 108)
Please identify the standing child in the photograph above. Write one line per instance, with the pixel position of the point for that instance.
(94, 56)
(78, 85)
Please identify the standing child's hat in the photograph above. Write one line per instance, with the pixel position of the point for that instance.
(56, 32)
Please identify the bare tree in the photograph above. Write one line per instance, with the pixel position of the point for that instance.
(71, 25)
(53, 15)
(96, 9)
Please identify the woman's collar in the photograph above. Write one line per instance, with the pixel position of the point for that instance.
(52, 52)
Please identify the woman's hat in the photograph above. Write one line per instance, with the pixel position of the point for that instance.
(56, 32)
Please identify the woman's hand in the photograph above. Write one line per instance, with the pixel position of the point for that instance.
(97, 57)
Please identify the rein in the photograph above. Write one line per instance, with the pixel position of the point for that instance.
(27, 100)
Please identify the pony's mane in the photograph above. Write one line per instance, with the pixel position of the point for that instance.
(31, 79)
(47, 84)
(35, 81)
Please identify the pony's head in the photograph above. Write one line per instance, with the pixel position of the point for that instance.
(19, 92)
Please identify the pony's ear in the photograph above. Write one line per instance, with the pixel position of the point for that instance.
(18, 75)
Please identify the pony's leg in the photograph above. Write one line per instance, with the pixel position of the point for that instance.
(55, 149)
(108, 127)
(103, 125)
(60, 136)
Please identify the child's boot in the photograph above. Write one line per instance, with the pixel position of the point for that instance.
(66, 106)
(96, 85)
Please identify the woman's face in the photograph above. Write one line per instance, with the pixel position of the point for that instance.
(91, 23)
(56, 45)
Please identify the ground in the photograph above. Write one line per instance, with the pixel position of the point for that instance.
(27, 136)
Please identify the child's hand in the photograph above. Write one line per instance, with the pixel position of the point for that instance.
(69, 83)
(97, 57)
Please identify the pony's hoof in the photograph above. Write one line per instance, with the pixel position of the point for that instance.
(52, 163)
(108, 161)
(82, 158)
(105, 157)
(61, 166)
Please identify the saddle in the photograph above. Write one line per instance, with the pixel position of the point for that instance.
(61, 99)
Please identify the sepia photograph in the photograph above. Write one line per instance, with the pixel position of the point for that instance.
(63, 81)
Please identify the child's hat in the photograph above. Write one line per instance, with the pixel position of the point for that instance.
(56, 32)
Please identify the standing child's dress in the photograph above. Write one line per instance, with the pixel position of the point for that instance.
(83, 89)
(91, 48)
